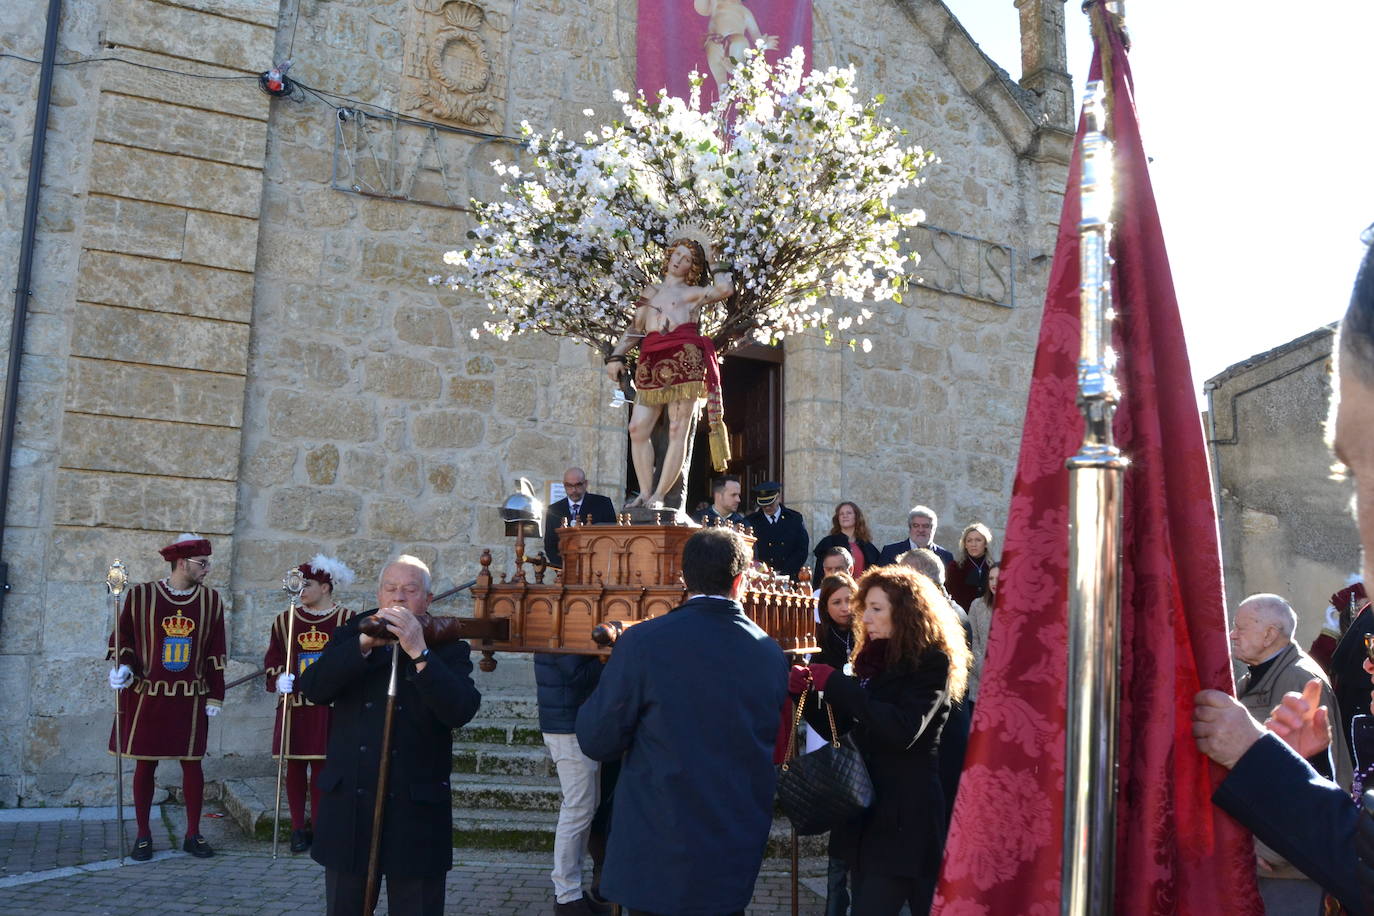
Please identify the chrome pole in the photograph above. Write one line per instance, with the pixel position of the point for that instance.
(1095, 480)
(116, 579)
(293, 583)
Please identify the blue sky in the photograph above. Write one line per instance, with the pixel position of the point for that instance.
(1261, 140)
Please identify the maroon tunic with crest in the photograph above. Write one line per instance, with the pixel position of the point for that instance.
(309, 726)
(175, 646)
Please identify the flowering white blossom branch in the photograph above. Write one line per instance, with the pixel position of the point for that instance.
(791, 174)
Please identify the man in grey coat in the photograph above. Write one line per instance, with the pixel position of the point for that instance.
(1262, 638)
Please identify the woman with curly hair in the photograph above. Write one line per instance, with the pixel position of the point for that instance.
(848, 529)
(910, 662)
(968, 574)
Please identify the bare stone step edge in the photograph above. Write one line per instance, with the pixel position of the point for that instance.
(497, 731)
(501, 759)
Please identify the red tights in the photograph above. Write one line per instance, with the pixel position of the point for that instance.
(295, 790)
(192, 787)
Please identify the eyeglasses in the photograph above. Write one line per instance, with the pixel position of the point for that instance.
(203, 564)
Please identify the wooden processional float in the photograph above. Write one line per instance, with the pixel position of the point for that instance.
(614, 576)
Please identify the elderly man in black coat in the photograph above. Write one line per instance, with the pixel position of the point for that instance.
(691, 699)
(435, 695)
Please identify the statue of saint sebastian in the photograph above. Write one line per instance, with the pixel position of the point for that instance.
(677, 367)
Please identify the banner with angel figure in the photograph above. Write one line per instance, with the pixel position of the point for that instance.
(710, 36)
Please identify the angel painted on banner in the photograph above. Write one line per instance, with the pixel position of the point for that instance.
(677, 367)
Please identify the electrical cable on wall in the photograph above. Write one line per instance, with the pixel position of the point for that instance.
(292, 89)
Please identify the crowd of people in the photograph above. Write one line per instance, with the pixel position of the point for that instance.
(689, 697)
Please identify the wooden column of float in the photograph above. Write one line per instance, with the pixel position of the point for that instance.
(621, 573)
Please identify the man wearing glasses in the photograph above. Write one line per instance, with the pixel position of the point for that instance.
(170, 674)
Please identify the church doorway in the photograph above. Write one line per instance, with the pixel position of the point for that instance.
(751, 378)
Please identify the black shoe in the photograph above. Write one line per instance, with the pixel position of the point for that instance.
(300, 840)
(143, 849)
(576, 907)
(197, 847)
(596, 903)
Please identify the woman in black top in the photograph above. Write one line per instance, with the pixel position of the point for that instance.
(911, 662)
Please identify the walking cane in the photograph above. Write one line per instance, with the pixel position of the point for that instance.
(115, 580)
(294, 583)
(795, 903)
(374, 853)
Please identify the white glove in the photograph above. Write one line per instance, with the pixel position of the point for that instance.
(121, 677)
(286, 683)
(212, 711)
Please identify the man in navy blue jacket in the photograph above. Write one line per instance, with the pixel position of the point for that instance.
(1271, 789)
(691, 699)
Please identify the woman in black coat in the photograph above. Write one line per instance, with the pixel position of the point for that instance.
(848, 529)
(911, 662)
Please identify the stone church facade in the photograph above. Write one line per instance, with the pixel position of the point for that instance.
(231, 330)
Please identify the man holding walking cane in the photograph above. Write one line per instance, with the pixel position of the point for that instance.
(398, 777)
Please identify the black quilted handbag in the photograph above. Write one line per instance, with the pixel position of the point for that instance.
(825, 788)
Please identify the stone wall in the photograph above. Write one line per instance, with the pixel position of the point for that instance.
(1286, 525)
(131, 399)
(235, 334)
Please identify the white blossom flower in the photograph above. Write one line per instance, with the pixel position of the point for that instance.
(792, 173)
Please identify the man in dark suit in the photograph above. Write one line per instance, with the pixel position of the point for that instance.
(921, 523)
(586, 508)
(435, 695)
(780, 534)
(690, 701)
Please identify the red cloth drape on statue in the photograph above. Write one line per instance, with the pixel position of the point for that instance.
(1176, 853)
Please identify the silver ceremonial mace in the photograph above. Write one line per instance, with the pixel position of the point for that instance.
(293, 583)
(115, 580)
(1095, 481)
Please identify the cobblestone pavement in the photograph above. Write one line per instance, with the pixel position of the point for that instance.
(65, 863)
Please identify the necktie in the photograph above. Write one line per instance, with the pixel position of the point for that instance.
(573, 509)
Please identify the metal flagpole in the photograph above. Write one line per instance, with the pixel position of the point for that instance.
(1095, 479)
(115, 581)
(294, 583)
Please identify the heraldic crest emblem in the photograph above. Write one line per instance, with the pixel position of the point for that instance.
(176, 645)
(312, 646)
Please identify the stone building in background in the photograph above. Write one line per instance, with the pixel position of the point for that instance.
(231, 330)
(1286, 525)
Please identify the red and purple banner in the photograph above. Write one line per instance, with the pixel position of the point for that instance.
(678, 36)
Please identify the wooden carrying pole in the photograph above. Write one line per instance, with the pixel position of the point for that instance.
(379, 805)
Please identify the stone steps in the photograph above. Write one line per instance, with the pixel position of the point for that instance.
(502, 760)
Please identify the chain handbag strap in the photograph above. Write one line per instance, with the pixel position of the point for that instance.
(796, 724)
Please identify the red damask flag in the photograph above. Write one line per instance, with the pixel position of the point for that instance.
(1176, 852)
(675, 37)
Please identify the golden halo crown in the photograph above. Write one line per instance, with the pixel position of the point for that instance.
(693, 229)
